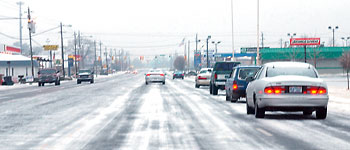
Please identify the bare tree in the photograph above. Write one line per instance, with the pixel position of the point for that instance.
(179, 63)
(345, 62)
(315, 55)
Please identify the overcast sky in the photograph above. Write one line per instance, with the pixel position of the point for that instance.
(158, 26)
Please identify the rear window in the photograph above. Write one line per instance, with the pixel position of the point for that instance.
(225, 66)
(84, 71)
(308, 72)
(204, 71)
(247, 72)
(48, 71)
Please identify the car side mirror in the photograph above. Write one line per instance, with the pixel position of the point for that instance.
(250, 79)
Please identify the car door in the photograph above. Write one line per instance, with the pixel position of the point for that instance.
(229, 81)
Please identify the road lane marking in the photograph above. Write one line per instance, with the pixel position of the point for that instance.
(264, 132)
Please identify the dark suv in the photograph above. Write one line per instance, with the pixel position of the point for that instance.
(48, 76)
(236, 84)
(85, 75)
(221, 72)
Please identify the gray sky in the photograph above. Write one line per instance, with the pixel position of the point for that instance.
(158, 26)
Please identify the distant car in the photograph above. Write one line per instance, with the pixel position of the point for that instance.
(49, 75)
(191, 73)
(203, 78)
(178, 74)
(85, 75)
(220, 73)
(104, 72)
(155, 75)
(236, 84)
(135, 72)
(287, 86)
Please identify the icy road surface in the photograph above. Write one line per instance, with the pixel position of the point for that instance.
(121, 112)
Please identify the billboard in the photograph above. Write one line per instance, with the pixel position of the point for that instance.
(305, 41)
(12, 49)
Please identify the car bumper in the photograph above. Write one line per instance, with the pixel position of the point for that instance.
(203, 82)
(293, 101)
(85, 79)
(155, 79)
(220, 83)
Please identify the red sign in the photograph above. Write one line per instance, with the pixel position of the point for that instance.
(12, 49)
(305, 41)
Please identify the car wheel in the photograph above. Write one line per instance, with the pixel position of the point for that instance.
(215, 90)
(42, 84)
(39, 84)
(182, 78)
(163, 82)
(259, 112)
(91, 81)
(197, 86)
(56, 83)
(227, 97)
(210, 89)
(321, 113)
(234, 98)
(59, 82)
(307, 112)
(146, 83)
(250, 110)
(78, 82)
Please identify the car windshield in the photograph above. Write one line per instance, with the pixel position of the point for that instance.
(247, 72)
(84, 71)
(224, 66)
(297, 71)
(48, 71)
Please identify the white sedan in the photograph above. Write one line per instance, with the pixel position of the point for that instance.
(203, 78)
(155, 75)
(287, 86)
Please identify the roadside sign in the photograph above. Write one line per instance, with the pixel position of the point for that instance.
(50, 47)
(305, 41)
(12, 49)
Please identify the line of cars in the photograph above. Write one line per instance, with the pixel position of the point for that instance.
(51, 75)
(275, 86)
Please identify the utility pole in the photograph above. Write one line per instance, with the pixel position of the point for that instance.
(79, 43)
(95, 66)
(101, 56)
(281, 40)
(64, 73)
(20, 25)
(106, 60)
(188, 57)
(30, 41)
(75, 53)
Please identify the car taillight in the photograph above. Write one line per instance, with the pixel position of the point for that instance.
(161, 74)
(183, 74)
(234, 86)
(274, 90)
(201, 78)
(315, 90)
(215, 76)
(148, 75)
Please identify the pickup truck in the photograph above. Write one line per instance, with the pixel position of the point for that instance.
(220, 73)
(48, 75)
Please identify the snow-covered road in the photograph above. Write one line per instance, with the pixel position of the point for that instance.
(121, 112)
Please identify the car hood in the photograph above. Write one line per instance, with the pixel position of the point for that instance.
(294, 80)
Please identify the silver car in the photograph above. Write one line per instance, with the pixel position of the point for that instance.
(203, 78)
(155, 75)
(287, 86)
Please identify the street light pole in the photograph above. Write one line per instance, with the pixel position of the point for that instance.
(20, 25)
(346, 40)
(333, 30)
(30, 41)
(216, 47)
(233, 47)
(209, 37)
(95, 66)
(258, 34)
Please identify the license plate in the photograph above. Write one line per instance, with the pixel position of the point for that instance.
(223, 76)
(295, 89)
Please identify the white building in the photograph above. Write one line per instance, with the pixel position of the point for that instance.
(15, 65)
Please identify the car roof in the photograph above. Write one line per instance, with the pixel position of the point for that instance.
(247, 67)
(288, 64)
